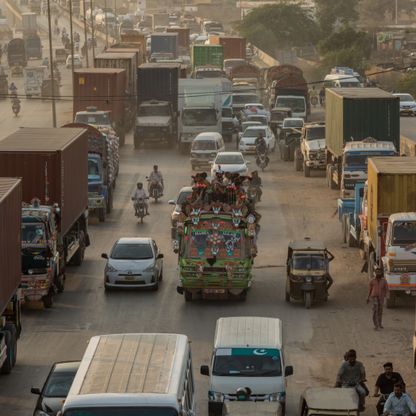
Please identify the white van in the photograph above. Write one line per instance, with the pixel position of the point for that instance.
(133, 375)
(204, 148)
(341, 81)
(248, 352)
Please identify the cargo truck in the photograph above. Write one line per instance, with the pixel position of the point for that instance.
(29, 22)
(164, 44)
(234, 47)
(202, 55)
(133, 38)
(10, 265)
(127, 61)
(200, 105)
(53, 166)
(101, 91)
(16, 53)
(157, 103)
(103, 163)
(183, 37)
(33, 46)
(354, 115)
(388, 223)
(34, 76)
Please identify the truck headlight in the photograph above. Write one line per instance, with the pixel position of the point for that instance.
(215, 396)
(308, 279)
(277, 397)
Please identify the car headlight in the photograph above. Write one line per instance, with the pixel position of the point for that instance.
(215, 396)
(150, 268)
(110, 268)
(277, 397)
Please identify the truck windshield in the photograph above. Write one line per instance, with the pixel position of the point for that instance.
(209, 73)
(153, 110)
(244, 98)
(99, 119)
(296, 104)
(355, 159)
(199, 117)
(315, 133)
(33, 234)
(404, 232)
(93, 169)
(227, 112)
(309, 262)
(122, 411)
(247, 362)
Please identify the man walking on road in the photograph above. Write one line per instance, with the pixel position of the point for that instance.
(377, 291)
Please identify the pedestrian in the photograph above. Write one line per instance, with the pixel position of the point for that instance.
(399, 403)
(377, 291)
(322, 96)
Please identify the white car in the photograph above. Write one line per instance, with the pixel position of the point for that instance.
(293, 123)
(77, 61)
(233, 162)
(248, 138)
(407, 104)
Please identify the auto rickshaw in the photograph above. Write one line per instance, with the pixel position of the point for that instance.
(277, 115)
(251, 408)
(329, 401)
(308, 277)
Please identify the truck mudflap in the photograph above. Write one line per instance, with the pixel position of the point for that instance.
(34, 288)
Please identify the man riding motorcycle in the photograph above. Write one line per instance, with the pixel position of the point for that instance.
(16, 106)
(155, 179)
(140, 196)
(255, 182)
(13, 89)
(399, 403)
(261, 149)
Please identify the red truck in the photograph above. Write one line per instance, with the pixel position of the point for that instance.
(10, 265)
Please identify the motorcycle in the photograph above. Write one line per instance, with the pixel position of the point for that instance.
(381, 402)
(16, 107)
(155, 189)
(262, 160)
(253, 194)
(139, 208)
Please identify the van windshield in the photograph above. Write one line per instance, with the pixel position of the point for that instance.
(203, 145)
(122, 411)
(247, 362)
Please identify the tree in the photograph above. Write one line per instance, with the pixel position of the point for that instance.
(408, 83)
(279, 26)
(347, 47)
(375, 12)
(329, 13)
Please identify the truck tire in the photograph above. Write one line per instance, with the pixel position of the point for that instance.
(308, 299)
(291, 155)
(13, 331)
(344, 227)
(297, 161)
(60, 283)
(136, 141)
(350, 238)
(391, 300)
(188, 295)
(78, 257)
(102, 214)
(306, 170)
(110, 201)
(47, 300)
(7, 366)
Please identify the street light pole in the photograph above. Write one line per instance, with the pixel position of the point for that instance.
(72, 38)
(106, 24)
(86, 33)
(92, 33)
(51, 66)
(396, 10)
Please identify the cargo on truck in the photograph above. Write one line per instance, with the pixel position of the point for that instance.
(183, 36)
(10, 265)
(55, 210)
(367, 116)
(16, 53)
(133, 39)
(200, 105)
(202, 55)
(164, 43)
(157, 103)
(128, 48)
(160, 19)
(234, 47)
(102, 91)
(103, 166)
(388, 223)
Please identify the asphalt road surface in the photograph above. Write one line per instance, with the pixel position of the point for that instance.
(293, 207)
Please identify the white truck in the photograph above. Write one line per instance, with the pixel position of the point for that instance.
(200, 104)
(34, 76)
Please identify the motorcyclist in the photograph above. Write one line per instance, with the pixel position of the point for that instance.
(13, 89)
(156, 179)
(399, 403)
(385, 385)
(140, 194)
(16, 105)
(255, 182)
(261, 145)
(352, 374)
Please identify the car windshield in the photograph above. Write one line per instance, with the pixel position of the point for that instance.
(122, 411)
(406, 97)
(93, 168)
(100, 119)
(404, 232)
(59, 383)
(261, 119)
(296, 104)
(254, 107)
(140, 251)
(244, 98)
(254, 132)
(315, 133)
(203, 145)
(33, 234)
(229, 160)
(293, 123)
(247, 362)
(153, 110)
(309, 261)
(199, 117)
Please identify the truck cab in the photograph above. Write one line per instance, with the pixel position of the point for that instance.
(34, 76)
(155, 121)
(297, 103)
(94, 117)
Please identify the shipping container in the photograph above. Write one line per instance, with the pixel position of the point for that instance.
(353, 114)
(160, 19)
(207, 55)
(102, 88)
(121, 48)
(164, 43)
(234, 47)
(126, 61)
(53, 166)
(183, 35)
(10, 226)
(391, 189)
(158, 81)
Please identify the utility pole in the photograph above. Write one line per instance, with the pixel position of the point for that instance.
(396, 11)
(51, 66)
(86, 33)
(92, 34)
(72, 38)
(106, 24)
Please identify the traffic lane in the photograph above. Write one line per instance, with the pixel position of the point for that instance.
(408, 127)
(315, 340)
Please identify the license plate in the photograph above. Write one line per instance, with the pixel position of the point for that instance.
(214, 291)
(129, 277)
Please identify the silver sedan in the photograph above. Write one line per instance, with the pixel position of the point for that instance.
(133, 263)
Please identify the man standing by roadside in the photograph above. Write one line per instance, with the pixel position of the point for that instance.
(377, 291)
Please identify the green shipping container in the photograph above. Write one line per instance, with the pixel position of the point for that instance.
(352, 114)
(207, 55)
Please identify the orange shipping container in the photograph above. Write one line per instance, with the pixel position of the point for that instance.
(234, 47)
